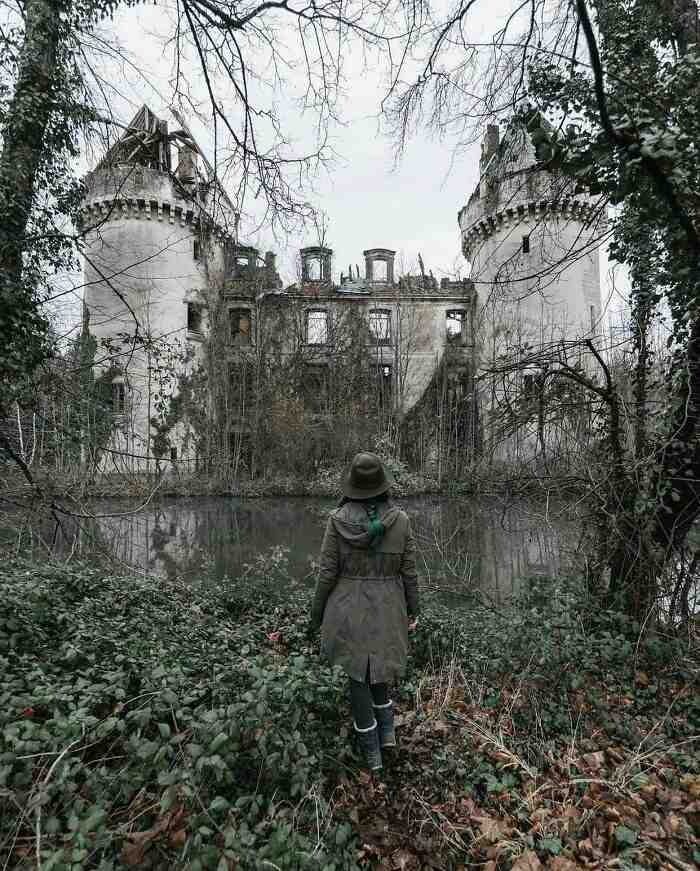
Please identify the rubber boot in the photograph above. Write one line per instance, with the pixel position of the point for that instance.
(369, 741)
(385, 724)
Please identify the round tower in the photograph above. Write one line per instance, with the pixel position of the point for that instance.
(147, 265)
(533, 243)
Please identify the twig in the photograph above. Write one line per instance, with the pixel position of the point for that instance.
(38, 804)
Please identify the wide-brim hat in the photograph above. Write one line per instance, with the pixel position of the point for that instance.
(366, 477)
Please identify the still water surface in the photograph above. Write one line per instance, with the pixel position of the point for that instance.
(485, 543)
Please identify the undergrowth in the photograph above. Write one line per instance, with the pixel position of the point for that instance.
(156, 725)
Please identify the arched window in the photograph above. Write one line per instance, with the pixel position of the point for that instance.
(380, 326)
(317, 327)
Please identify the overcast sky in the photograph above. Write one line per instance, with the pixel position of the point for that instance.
(368, 198)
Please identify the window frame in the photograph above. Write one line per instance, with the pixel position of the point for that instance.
(242, 311)
(381, 381)
(377, 340)
(199, 309)
(460, 338)
(307, 323)
(118, 396)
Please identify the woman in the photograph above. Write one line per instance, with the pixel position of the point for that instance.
(367, 598)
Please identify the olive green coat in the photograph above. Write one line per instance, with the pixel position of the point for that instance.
(365, 595)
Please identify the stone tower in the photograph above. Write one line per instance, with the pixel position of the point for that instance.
(155, 226)
(533, 243)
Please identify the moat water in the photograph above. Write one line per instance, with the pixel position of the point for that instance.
(487, 544)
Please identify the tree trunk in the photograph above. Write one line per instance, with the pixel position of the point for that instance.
(22, 327)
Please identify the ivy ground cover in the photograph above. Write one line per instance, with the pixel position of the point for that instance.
(150, 724)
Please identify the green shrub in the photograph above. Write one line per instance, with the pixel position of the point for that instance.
(147, 725)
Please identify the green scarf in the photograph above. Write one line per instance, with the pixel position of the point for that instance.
(375, 527)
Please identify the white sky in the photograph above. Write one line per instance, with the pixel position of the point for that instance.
(368, 200)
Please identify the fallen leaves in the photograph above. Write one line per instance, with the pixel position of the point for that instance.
(591, 803)
(527, 861)
(137, 843)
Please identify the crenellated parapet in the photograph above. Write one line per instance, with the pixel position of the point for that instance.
(484, 225)
(127, 192)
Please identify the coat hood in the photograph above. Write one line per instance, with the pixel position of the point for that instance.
(350, 520)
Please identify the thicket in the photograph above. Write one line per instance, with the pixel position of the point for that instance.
(156, 725)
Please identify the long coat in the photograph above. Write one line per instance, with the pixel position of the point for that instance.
(365, 595)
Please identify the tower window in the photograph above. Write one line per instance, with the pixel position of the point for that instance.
(317, 327)
(592, 318)
(118, 397)
(240, 326)
(197, 250)
(173, 454)
(380, 326)
(194, 317)
(526, 244)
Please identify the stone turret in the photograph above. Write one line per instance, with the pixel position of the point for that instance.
(151, 253)
(532, 239)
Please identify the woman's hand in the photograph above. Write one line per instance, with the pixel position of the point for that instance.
(412, 624)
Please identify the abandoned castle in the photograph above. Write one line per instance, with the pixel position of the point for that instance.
(186, 310)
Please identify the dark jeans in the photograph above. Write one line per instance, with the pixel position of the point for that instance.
(362, 695)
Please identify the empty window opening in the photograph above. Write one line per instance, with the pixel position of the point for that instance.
(317, 327)
(315, 387)
(241, 394)
(173, 454)
(526, 244)
(194, 317)
(118, 397)
(593, 318)
(197, 250)
(380, 270)
(533, 386)
(242, 266)
(456, 327)
(380, 326)
(313, 269)
(381, 375)
(240, 326)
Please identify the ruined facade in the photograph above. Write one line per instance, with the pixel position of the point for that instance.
(171, 293)
(205, 353)
(532, 239)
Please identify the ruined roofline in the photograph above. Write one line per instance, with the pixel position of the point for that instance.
(349, 292)
(495, 148)
(146, 145)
